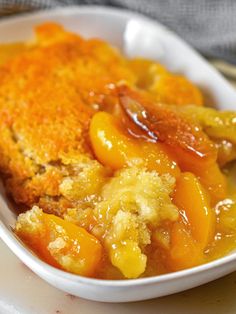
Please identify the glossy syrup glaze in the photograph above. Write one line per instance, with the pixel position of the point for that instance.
(124, 171)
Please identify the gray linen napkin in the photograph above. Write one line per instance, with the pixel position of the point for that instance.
(208, 25)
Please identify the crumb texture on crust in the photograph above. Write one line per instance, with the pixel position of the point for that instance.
(96, 144)
(48, 94)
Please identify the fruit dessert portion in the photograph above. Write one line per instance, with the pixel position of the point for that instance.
(115, 166)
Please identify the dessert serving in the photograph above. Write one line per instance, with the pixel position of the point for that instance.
(116, 166)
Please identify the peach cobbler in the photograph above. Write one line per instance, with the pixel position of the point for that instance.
(115, 166)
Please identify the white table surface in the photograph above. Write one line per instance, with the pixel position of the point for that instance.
(22, 292)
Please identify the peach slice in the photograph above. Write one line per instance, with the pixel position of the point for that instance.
(164, 124)
(193, 200)
(114, 148)
(184, 252)
(185, 141)
(59, 242)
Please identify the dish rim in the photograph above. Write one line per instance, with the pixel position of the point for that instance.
(16, 245)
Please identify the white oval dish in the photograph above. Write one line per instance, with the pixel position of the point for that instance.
(136, 36)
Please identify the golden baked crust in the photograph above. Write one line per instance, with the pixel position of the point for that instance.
(105, 143)
(48, 94)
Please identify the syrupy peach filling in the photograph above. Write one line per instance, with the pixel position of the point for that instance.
(124, 172)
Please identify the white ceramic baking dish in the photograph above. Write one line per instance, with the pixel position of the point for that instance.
(136, 36)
